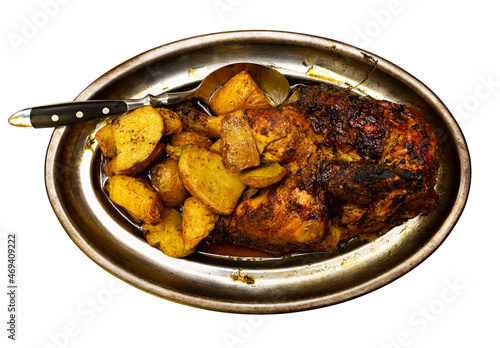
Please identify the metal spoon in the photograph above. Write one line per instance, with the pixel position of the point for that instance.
(273, 83)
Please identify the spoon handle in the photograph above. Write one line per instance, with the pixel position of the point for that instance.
(67, 113)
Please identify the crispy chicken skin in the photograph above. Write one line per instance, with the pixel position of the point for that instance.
(292, 214)
(354, 165)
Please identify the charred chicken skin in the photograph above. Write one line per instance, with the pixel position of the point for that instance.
(354, 165)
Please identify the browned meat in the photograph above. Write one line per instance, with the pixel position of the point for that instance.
(355, 165)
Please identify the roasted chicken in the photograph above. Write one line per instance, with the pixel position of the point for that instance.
(354, 165)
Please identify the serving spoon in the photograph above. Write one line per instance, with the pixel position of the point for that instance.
(272, 82)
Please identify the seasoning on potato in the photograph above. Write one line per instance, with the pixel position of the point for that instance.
(238, 147)
(240, 92)
(111, 167)
(166, 180)
(136, 135)
(171, 121)
(167, 235)
(189, 138)
(263, 176)
(138, 198)
(205, 177)
(197, 222)
(196, 121)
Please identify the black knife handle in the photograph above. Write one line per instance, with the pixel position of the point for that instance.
(75, 112)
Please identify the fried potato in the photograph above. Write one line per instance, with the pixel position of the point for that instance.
(106, 141)
(189, 138)
(171, 121)
(167, 235)
(111, 167)
(138, 198)
(206, 178)
(215, 147)
(175, 152)
(238, 147)
(249, 193)
(193, 120)
(263, 176)
(197, 222)
(136, 135)
(240, 92)
(166, 180)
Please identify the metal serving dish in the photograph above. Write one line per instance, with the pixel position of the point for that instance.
(260, 284)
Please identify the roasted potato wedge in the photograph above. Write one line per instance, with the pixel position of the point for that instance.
(166, 180)
(167, 235)
(171, 121)
(238, 147)
(136, 135)
(189, 138)
(249, 193)
(263, 176)
(240, 92)
(138, 198)
(206, 178)
(175, 152)
(193, 120)
(106, 141)
(158, 152)
(215, 147)
(197, 222)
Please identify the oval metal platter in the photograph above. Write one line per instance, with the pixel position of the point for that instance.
(246, 284)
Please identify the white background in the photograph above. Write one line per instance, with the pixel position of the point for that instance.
(51, 50)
